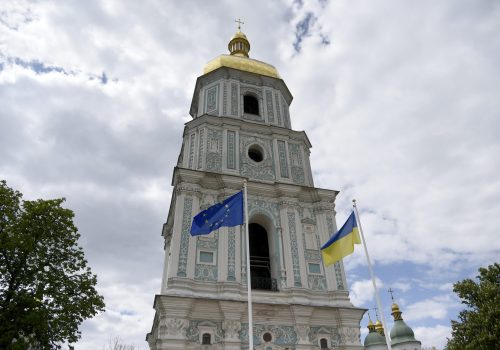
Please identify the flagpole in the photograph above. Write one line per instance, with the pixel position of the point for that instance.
(379, 304)
(249, 280)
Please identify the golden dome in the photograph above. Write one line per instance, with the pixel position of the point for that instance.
(396, 313)
(238, 47)
(241, 63)
(379, 328)
(239, 35)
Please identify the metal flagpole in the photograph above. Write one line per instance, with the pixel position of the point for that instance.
(249, 280)
(379, 304)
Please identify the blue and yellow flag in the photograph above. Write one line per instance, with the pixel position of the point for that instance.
(342, 243)
(227, 213)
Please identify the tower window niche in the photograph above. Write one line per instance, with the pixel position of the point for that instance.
(250, 105)
(206, 339)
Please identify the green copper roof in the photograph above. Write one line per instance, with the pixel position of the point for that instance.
(374, 338)
(400, 333)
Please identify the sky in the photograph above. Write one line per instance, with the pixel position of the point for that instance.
(399, 98)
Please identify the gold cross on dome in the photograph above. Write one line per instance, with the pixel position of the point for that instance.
(240, 22)
(390, 290)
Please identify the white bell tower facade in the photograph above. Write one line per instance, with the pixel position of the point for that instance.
(241, 130)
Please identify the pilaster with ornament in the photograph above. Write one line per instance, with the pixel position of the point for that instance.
(214, 150)
(188, 196)
(231, 254)
(322, 211)
(282, 275)
(338, 265)
(184, 241)
(294, 257)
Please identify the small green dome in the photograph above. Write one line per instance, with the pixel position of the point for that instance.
(400, 333)
(374, 338)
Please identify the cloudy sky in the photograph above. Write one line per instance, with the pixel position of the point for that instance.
(401, 100)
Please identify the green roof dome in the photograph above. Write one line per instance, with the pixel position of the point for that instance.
(374, 337)
(400, 332)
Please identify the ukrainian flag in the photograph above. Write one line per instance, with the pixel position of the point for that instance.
(342, 243)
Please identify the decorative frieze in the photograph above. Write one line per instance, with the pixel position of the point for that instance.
(331, 334)
(313, 255)
(205, 272)
(173, 328)
(204, 243)
(231, 329)
(198, 327)
(349, 335)
(271, 209)
(302, 332)
(281, 335)
(316, 282)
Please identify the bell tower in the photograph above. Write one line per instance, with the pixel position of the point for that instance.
(241, 130)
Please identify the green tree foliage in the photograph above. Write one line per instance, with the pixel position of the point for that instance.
(46, 287)
(479, 325)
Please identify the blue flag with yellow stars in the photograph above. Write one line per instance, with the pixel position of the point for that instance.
(227, 213)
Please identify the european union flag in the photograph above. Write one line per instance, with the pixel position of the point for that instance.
(227, 213)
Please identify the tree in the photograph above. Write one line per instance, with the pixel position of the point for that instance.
(46, 287)
(479, 325)
(116, 344)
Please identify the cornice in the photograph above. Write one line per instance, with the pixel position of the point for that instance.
(247, 126)
(290, 193)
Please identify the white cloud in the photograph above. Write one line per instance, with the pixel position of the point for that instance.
(362, 291)
(434, 308)
(433, 336)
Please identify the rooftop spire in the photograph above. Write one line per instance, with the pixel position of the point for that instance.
(240, 22)
(396, 313)
(239, 45)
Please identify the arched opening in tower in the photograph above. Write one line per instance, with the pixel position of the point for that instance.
(250, 105)
(260, 265)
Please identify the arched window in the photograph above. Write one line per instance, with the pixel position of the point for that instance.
(323, 343)
(260, 265)
(250, 105)
(206, 339)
